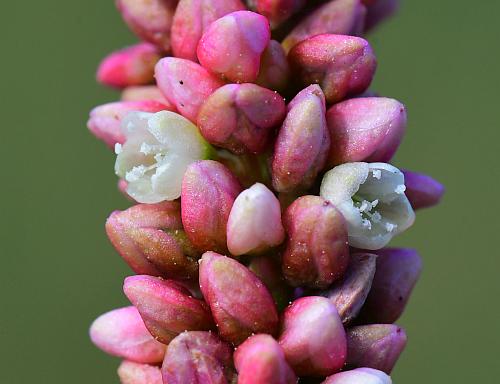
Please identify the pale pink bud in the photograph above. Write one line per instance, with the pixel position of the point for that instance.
(241, 117)
(192, 18)
(185, 84)
(239, 301)
(133, 65)
(379, 11)
(365, 129)
(249, 169)
(340, 17)
(208, 192)
(341, 65)
(151, 239)
(349, 294)
(277, 11)
(422, 190)
(359, 376)
(232, 46)
(133, 373)
(274, 70)
(122, 333)
(313, 337)
(375, 346)
(198, 358)
(260, 360)
(317, 252)
(254, 224)
(105, 120)
(303, 142)
(166, 307)
(151, 20)
(397, 272)
(145, 92)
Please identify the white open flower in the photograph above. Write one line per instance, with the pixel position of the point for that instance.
(371, 197)
(158, 149)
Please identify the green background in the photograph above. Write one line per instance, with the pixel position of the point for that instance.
(58, 270)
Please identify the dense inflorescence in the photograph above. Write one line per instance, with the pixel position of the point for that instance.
(257, 161)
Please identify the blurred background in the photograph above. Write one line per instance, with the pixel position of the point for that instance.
(59, 272)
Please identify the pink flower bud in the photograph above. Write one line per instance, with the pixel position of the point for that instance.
(192, 18)
(359, 376)
(379, 11)
(166, 307)
(185, 84)
(198, 358)
(254, 224)
(341, 65)
(397, 272)
(122, 333)
(365, 129)
(260, 360)
(249, 169)
(241, 117)
(239, 301)
(208, 192)
(317, 252)
(151, 20)
(422, 190)
(375, 346)
(129, 66)
(349, 294)
(274, 70)
(340, 17)
(133, 373)
(232, 46)
(105, 120)
(313, 337)
(303, 142)
(145, 92)
(277, 11)
(150, 238)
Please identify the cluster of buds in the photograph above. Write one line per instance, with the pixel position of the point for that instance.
(257, 163)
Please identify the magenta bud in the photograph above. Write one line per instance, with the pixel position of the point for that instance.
(397, 272)
(129, 66)
(133, 373)
(239, 301)
(375, 346)
(365, 129)
(122, 333)
(268, 270)
(274, 70)
(317, 251)
(254, 224)
(379, 11)
(359, 376)
(185, 84)
(145, 92)
(151, 239)
(340, 17)
(303, 142)
(313, 337)
(198, 358)
(241, 117)
(105, 120)
(422, 190)
(349, 294)
(277, 11)
(208, 193)
(192, 18)
(232, 46)
(151, 20)
(260, 360)
(341, 65)
(166, 307)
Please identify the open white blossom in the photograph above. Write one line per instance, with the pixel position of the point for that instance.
(157, 151)
(371, 197)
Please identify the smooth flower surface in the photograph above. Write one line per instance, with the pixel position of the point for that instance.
(157, 151)
(274, 70)
(359, 376)
(133, 373)
(276, 11)
(422, 190)
(254, 223)
(371, 197)
(145, 92)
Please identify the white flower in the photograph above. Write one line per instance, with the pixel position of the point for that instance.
(371, 198)
(158, 149)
